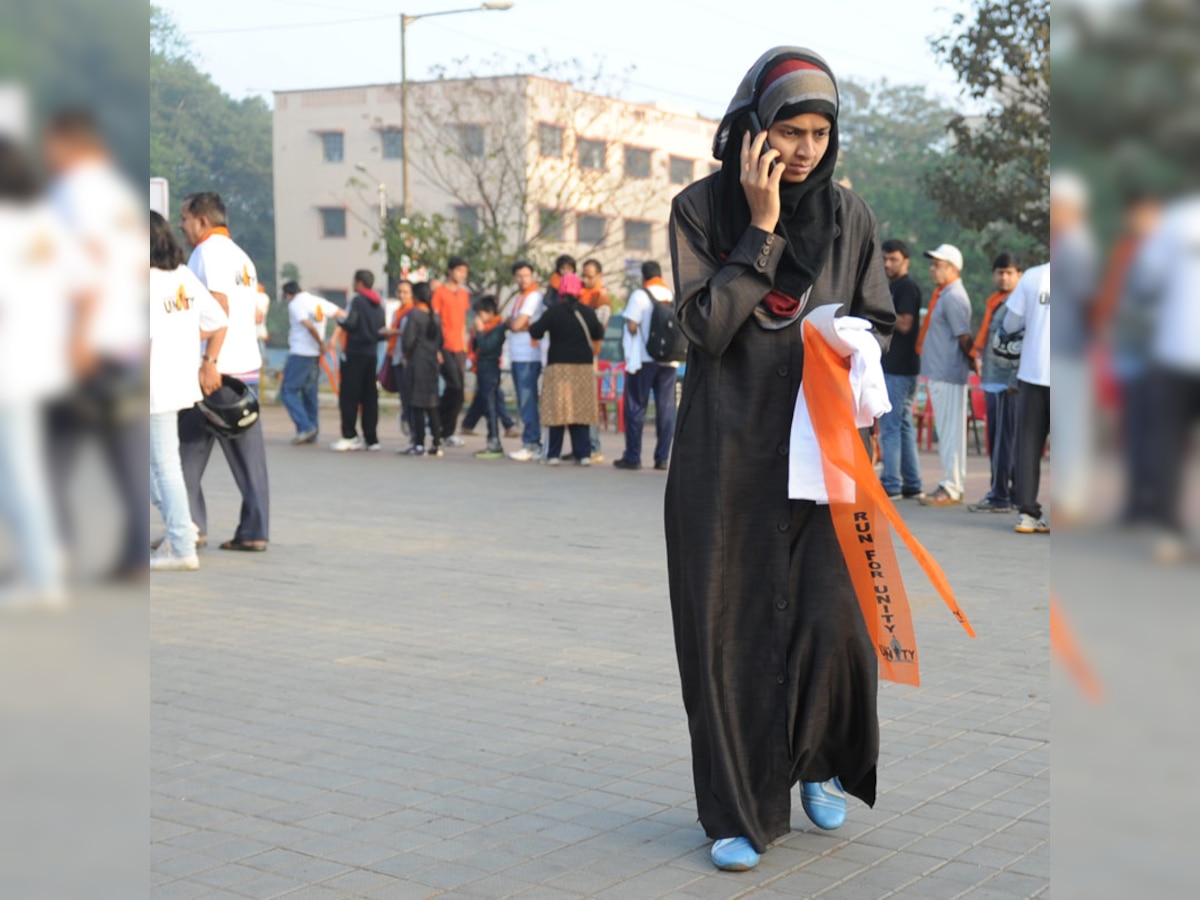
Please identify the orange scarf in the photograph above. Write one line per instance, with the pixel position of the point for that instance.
(655, 281)
(993, 303)
(516, 307)
(862, 525)
(595, 297)
(928, 318)
(555, 281)
(1109, 297)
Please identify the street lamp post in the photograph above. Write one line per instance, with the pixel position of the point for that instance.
(405, 21)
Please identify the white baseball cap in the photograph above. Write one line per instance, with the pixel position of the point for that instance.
(949, 253)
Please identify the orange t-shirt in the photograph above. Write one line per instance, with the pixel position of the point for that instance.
(451, 304)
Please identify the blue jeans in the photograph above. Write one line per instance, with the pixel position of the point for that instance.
(659, 380)
(301, 375)
(25, 497)
(525, 383)
(898, 438)
(487, 388)
(168, 491)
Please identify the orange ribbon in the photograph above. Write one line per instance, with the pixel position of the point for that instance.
(1062, 644)
(928, 318)
(864, 538)
(331, 362)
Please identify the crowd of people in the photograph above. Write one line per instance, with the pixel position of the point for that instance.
(549, 340)
(1009, 353)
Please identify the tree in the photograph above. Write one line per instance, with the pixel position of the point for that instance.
(892, 137)
(513, 149)
(201, 139)
(998, 171)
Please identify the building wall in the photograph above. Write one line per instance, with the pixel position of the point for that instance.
(510, 111)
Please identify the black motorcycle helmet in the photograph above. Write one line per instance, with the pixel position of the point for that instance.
(231, 408)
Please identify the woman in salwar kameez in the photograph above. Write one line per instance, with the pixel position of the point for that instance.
(778, 672)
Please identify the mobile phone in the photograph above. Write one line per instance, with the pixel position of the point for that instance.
(755, 128)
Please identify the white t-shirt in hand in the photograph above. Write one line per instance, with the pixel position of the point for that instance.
(180, 308)
(639, 309)
(306, 307)
(520, 346)
(1031, 301)
(224, 268)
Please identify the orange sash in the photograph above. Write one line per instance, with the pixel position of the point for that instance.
(331, 362)
(993, 303)
(516, 306)
(1063, 645)
(220, 229)
(928, 318)
(396, 320)
(862, 525)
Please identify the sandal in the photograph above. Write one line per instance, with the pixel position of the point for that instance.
(245, 546)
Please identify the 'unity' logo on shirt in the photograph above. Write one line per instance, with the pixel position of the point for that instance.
(180, 303)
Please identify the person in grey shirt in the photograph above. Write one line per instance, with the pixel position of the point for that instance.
(945, 346)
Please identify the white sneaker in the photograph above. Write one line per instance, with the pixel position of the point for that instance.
(165, 560)
(586, 461)
(523, 455)
(1030, 525)
(455, 441)
(375, 447)
(552, 461)
(342, 445)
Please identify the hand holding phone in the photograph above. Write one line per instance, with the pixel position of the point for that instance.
(760, 178)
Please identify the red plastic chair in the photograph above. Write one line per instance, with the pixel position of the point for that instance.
(923, 413)
(977, 410)
(610, 387)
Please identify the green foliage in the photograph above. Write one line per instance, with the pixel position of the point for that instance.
(894, 137)
(998, 172)
(203, 140)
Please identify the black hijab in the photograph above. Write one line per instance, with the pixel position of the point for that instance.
(807, 208)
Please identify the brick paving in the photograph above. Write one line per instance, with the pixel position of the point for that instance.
(455, 678)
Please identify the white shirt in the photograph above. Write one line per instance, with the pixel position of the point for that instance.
(264, 307)
(1171, 265)
(180, 308)
(306, 307)
(638, 309)
(43, 270)
(109, 220)
(224, 268)
(1031, 301)
(520, 346)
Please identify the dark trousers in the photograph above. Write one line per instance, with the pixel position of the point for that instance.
(488, 388)
(581, 441)
(454, 367)
(1176, 411)
(1138, 396)
(477, 410)
(126, 448)
(416, 424)
(659, 381)
(247, 458)
(359, 388)
(1033, 427)
(1001, 439)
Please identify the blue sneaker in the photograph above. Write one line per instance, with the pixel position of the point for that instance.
(824, 803)
(734, 855)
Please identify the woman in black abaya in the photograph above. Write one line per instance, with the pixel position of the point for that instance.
(778, 673)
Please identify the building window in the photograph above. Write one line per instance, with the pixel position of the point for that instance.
(591, 154)
(470, 140)
(550, 221)
(637, 235)
(590, 229)
(333, 146)
(550, 141)
(393, 143)
(468, 221)
(333, 296)
(333, 222)
(637, 162)
(681, 170)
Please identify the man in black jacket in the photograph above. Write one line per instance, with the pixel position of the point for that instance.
(362, 324)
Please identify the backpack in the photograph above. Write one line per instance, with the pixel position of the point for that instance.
(664, 341)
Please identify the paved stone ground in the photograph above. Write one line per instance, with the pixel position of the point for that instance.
(455, 678)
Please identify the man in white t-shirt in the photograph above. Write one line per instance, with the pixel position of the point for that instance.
(525, 357)
(109, 220)
(1028, 307)
(644, 376)
(308, 318)
(229, 274)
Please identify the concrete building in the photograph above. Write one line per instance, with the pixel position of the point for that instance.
(571, 172)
